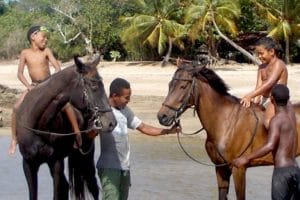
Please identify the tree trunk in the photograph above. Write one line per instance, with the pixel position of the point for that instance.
(167, 57)
(88, 41)
(287, 51)
(240, 49)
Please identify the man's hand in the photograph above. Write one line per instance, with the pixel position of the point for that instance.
(241, 161)
(174, 129)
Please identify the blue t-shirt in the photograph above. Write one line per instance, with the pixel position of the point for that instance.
(115, 148)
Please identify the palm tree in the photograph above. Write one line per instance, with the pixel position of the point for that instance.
(207, 16)
(157, 25)
(284, 23)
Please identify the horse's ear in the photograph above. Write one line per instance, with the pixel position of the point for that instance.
(96, 60)
(81, 67)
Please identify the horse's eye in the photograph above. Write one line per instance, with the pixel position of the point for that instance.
(183, 86)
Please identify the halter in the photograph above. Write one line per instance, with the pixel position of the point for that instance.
(96, 111)
(185, 101)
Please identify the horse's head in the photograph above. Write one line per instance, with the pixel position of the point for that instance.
(189, 83)
(179, 95)
(90, 98)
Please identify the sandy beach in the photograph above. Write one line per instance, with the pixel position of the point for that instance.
(160, 170)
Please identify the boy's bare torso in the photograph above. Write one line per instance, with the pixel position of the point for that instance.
(37, 64)
(269, 70)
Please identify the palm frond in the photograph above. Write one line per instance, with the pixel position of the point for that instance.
(282, 30)
(272, 18)
(173, 28)
(194, 13)
(153, 37)
(228, 24)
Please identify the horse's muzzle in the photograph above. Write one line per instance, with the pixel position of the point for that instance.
(165, 120)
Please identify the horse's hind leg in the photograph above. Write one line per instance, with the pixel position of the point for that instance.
(30, 171)
(239, 178)
(223, 179)
(60, 183)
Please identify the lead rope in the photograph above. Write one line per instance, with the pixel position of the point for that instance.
(253, 133)
(187, 154)
(35, 131)
(177, 123)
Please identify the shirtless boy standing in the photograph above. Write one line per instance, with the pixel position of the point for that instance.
(282, 143)
(272, 71)
(37, 59)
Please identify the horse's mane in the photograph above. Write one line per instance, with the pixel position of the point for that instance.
(215, 81)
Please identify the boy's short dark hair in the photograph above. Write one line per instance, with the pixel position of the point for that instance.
(281, 94)
(117, 85)
(35, 29)
(269, 43)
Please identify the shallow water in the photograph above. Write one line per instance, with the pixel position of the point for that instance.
(159, 168)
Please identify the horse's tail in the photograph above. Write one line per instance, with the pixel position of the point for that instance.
(82, 174)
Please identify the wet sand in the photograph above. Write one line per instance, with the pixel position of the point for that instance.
(160, 171)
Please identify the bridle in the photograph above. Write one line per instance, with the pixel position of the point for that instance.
(185, 102)
(94, 109)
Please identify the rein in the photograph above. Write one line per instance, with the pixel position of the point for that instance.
(57, 134)
(253, 133)
(214, 165)
(191, 157)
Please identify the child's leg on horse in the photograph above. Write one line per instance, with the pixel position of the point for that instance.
(68, 109)
(14, 142)
(269, 114)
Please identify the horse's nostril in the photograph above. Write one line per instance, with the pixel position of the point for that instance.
(163, 119)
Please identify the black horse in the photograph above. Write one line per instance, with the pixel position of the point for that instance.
(45, 134)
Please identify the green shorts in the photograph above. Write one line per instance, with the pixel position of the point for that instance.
(115, 183)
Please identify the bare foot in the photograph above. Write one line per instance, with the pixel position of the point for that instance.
(12, 147)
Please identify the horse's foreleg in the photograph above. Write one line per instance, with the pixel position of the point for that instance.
(239, 178)
(90, 174)
(30, 170)
(223, 179)
(60, 183)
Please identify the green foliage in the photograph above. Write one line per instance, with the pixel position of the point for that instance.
(282, 17)
(115, 55)
(147, 28)
(250, 21)
(156, 23)
(3, 7)
(201, 14)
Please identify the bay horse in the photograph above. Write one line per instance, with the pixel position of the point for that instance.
(45, 135)
(232, 130)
